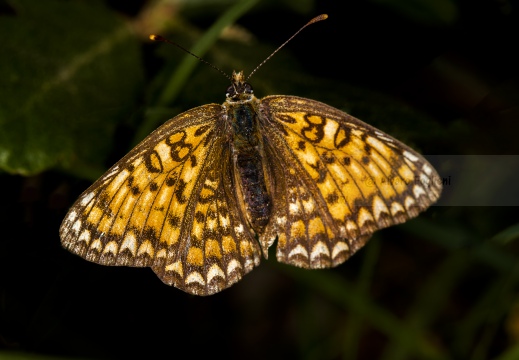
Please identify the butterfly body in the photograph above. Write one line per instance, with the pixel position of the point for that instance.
(202, 197)
(242, 111)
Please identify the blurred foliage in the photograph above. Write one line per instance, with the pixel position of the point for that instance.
(429, 12)
(55, 81)
(80, 81)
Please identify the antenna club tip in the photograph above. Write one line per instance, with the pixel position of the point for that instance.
(318, 18)
(155, 37)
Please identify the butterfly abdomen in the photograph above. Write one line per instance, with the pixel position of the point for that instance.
(249, 166)
(254, 190)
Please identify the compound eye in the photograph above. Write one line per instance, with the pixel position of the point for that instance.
(247, 89)
(230, 91)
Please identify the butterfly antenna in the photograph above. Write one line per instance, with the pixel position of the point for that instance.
(163, 39)
(314, 20)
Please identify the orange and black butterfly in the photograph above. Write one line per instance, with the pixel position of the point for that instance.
(207, 193)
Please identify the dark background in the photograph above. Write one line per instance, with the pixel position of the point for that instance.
(439, 75)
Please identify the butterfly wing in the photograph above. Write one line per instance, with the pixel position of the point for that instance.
(336, 180)
(169, 205)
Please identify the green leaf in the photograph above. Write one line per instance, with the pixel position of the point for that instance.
(507, 236)
(512, 353)
(70, 71)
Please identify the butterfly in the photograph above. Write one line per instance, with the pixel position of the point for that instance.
(205, 195)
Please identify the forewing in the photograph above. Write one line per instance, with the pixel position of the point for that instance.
(167, 205)
(336, 181)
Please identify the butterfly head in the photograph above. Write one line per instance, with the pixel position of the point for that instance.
(240, 90)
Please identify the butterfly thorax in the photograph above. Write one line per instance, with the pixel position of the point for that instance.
(247, 154)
